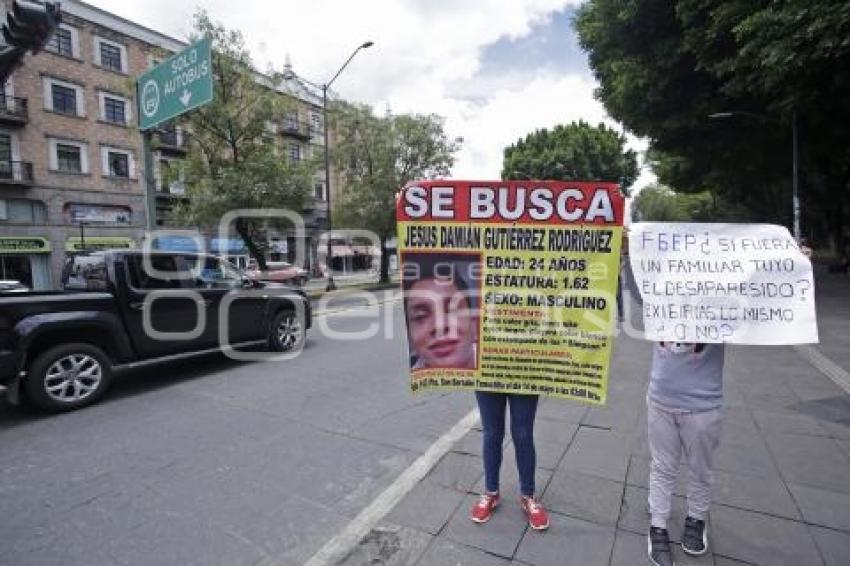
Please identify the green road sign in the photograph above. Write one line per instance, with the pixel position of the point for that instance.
(178, 84)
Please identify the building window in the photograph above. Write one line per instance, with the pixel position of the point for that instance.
(170, 134)
(110, 57)
(319, 190)
(315, 122)
(119, 164)
(6, 150)
(114, 110)
(61, 42)
(23, 210)
(69, 158)
(64, 99)
(294, 152)
(170, 177)
(290, 121)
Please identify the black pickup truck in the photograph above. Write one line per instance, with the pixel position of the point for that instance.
(123, 308)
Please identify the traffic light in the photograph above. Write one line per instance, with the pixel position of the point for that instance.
(30, 24)
(28, 28)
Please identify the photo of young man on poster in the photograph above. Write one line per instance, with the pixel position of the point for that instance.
(441, 307)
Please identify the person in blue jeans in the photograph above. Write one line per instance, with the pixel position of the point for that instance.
(492, 407)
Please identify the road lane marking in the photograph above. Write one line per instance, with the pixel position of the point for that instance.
(826, 366)
(341, 545)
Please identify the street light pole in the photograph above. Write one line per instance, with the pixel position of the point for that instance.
(795, 173)
(329, 259)
(795, 195)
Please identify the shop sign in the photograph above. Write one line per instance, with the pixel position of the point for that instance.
(98, 243)
(96, 214)
(24, 245)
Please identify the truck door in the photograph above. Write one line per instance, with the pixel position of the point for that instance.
(168, 314)
(215, 280)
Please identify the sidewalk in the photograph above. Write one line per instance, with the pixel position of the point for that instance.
(782, 491)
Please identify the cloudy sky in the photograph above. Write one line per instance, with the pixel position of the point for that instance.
(495, 69)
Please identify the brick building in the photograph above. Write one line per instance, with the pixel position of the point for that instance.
(71, 171)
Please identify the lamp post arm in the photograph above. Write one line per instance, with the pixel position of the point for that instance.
(344, 65)
(747, 113)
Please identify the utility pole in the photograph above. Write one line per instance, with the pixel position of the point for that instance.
(329, 261)
(795, 160)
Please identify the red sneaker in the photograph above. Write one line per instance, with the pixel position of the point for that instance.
(538, 518)
(483, 510)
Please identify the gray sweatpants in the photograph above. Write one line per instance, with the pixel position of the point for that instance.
(671, 432)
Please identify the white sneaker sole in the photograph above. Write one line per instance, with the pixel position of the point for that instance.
(649, 553)
(704, 545)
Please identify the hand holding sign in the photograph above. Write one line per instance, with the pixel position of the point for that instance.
(736, 283)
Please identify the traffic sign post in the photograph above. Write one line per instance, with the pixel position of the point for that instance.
(180, 83)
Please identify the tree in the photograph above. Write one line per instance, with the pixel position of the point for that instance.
(576, 152)
(658, 203)
(234, 160)
(664, 67)
(377, 156)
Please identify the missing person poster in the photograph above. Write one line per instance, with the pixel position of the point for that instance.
(510, 286)
(735, 283)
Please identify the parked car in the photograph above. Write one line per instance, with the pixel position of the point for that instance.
(279, 272)
(60, 348)
(12, 286)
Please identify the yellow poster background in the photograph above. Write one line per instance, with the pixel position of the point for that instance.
(546, 315)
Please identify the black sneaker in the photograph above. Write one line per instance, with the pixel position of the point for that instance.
(658, 547)
(695, 537)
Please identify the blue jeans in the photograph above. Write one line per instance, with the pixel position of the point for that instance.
(523, 409)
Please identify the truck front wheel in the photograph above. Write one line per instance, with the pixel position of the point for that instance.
(68, 377)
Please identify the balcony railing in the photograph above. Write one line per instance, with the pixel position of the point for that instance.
(295, 128)
(175, 189)
(16, 172)
(14, 109)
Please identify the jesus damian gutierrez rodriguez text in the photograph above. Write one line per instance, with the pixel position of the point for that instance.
(508, 238)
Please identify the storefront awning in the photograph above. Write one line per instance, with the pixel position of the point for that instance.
(176, 244)
(98, 243)
(227, 246)
(24, 245)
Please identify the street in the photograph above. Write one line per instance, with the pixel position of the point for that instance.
(211, 461)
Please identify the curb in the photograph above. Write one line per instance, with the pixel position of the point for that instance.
(317, 294)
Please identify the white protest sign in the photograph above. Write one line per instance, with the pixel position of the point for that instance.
(734, 283)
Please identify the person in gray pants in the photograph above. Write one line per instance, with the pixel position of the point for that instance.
(684, 417)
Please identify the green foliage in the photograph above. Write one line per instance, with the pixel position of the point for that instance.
(234, 160)
(575, 152)
(377, 155)
(658, 203)
(664, 67)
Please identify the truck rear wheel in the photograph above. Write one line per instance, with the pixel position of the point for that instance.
(68, 377)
